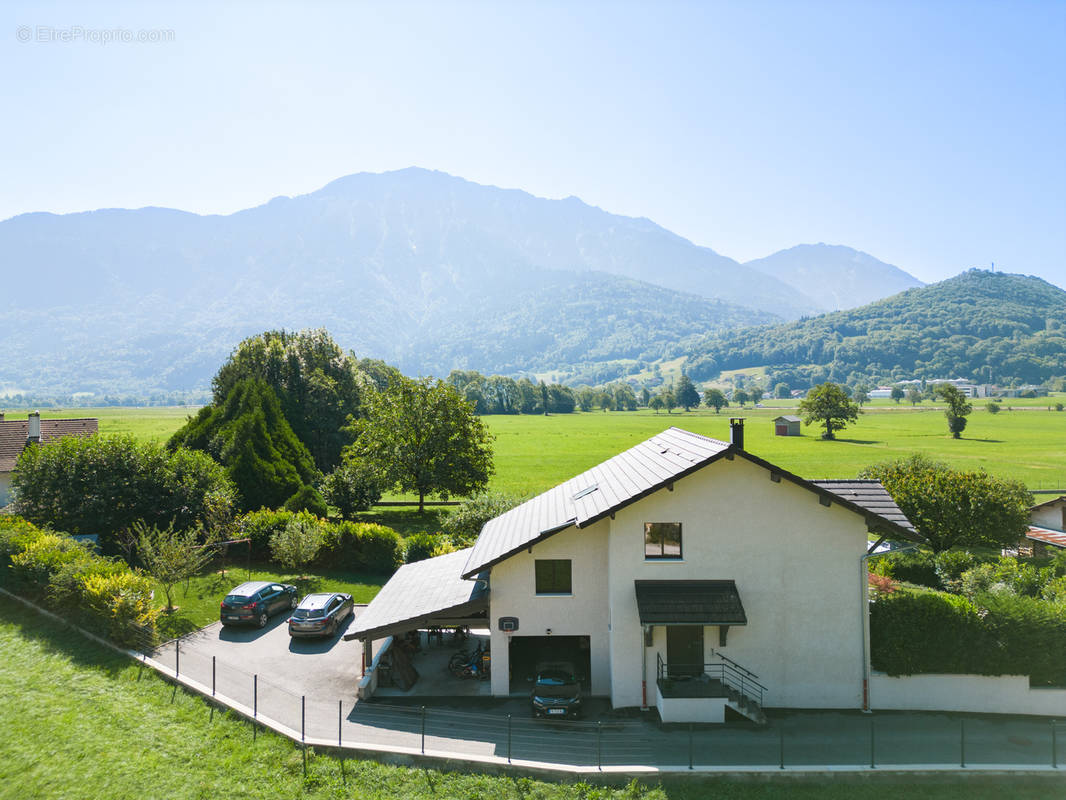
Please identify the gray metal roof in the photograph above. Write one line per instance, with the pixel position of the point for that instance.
(788, 418)
(689, 603)
(639, 471)
(593, 494)
(419, 591)
(869, 496)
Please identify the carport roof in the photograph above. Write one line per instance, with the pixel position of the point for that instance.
(689, 603)
(417, 594)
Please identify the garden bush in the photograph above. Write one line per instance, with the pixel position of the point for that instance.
(950, 565)
(466, 521)
(420, 546)
(916, 632)
(307, 498)
(1029, 635)
(42, 556)
(260, 526)
(123, 603)
(352, 487)
(918, 568)
(362, 546)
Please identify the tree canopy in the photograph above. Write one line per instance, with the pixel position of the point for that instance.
(104, 484)
(316, 383)
(687, 396)
(830, 405)
(425, 439)
(957, 410)
(955, 508)
(714, 398)
(250, 436)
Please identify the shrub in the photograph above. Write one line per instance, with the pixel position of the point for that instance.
(1055, 591)
(880, 585)
(307, 498)
(15, 536)
(260, 526)
(993, 407)
(352, 487)
(420, 546)
(123, 602)
(918, 568)
(297, 544)
(362, 546)
(43, 556)
(1029, 636)
(1005, 575)
(465, 523)
(950, 565)
(914, 632)
(66, 588)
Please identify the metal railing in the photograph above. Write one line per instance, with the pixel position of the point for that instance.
(710, 679)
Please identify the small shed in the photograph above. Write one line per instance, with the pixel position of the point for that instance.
(787, 425)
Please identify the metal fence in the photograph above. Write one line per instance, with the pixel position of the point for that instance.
(789, 740)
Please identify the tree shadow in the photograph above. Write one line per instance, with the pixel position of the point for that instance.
(853, 441)
(988, 441)
(172, 626)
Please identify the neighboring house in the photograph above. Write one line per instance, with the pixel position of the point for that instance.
(1047, 527)
(684, 573)
(15, 435)
(787, 425)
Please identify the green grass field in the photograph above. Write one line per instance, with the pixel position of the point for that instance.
(82, 721)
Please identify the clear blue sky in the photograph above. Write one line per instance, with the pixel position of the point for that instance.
(929, 134)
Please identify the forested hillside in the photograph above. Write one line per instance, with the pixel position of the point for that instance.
(989, 327)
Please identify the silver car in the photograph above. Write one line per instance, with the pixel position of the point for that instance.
(320, 614)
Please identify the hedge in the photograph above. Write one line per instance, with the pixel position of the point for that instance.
(100, 593)
(995, 634)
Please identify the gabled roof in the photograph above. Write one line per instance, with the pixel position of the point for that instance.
(13, 435)
(788, 418)
(641, 470)
(594, 494)
(1052, 502)
(416, 593)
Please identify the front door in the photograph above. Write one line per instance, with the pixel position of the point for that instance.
(684, 650)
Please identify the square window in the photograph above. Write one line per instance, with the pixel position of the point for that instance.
(553, 576)
(662, 540)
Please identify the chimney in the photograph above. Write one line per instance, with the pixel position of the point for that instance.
(34, 434)
(736, 432)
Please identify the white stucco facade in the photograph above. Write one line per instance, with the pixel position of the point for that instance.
(1050, 515)
(6, 495)
(795, 561)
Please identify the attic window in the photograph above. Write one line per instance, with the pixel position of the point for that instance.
(586, 491)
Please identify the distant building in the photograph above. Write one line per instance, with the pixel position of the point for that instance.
(15, 435)
(966, 387)
(787, 425)
(1029, 389)
(880, 393)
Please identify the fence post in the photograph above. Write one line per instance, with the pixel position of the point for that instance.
(781, 748)
(423, 730)
(255, 696)
(303, 718)
(509, 738)
(599, 746)
(962, 742)
(873, 763)
(690, 746)
(177, 657)
(212, 676)
(1054, 747)
(340, 723)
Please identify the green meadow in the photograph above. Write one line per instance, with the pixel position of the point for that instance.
(533, 453)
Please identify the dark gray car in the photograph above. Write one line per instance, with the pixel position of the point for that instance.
(254, 602)
(320, 614)
(556, 691)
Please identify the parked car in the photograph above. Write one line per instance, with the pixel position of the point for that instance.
(255, 602)
(320, 614)
(556, 691)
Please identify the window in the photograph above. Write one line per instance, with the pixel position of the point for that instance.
(553, 576)
(662, 540)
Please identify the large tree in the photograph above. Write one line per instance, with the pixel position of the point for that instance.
(957, 408)
(317, 384)
(714, 398)
(252, 438)
(830, 405)
(955, 508)
(687, 396)
(104, 484)
(425, 438)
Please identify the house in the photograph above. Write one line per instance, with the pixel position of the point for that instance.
(1047, 527)
(15, 435)
(685, 574)
(787, 425)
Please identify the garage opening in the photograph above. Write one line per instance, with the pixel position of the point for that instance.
(527, 653)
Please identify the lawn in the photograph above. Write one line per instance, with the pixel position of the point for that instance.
(198, 600)
(90, 723)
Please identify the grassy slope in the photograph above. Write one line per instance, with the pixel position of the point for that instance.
(88, 724)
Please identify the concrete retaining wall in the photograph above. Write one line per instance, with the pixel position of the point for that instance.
(989, 694)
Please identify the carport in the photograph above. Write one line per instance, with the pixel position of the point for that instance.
(425, 594)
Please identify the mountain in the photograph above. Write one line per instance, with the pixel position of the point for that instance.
(419, 268)
(837, 277)
(987, 326)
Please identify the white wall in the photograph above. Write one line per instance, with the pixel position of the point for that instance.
(990, 694)
(6, 495)
(796, 565)
(582, 613)
(1053, 517)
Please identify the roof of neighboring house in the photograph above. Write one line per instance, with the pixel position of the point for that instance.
(418, 591)
(636, 473)
(1051, 502)
(1047, 536)
(689, 603)
(13, 435)
(787, 418)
